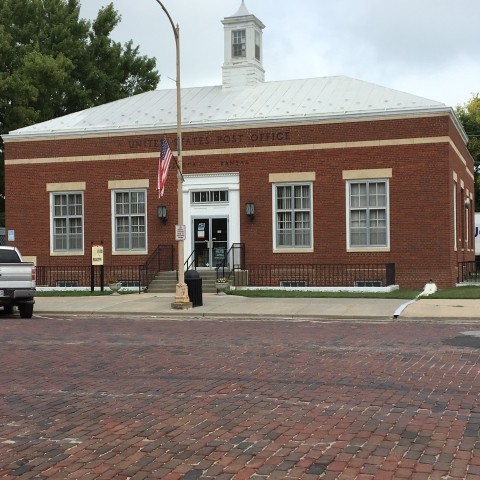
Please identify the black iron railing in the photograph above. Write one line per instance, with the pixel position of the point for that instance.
(234, 259)
(190, 262)
(265, 275)
(469, 272)
(89, 276)
(321, 275)
(161, 260)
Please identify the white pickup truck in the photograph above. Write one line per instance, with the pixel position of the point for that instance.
(17, 282)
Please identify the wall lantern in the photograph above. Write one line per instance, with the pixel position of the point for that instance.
(162, 213)
(250, 210)
(467, 203)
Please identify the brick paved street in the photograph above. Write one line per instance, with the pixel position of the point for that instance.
(87, 398)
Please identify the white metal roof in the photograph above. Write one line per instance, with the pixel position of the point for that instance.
(208, 107)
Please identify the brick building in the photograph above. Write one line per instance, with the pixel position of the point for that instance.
(338, 172)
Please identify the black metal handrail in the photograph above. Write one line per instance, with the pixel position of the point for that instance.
(189, 262)
(160, 260)
(234, 259)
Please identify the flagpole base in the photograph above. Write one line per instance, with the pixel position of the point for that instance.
(182, 301)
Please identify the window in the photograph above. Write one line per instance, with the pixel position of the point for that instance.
(66, 283)
(130, 220)
(455, 216)
(239, 46)
(293, 216)
(9, 256)
(368, 283)
(210, 196)
(257, 45)
(293, 283)
(67, 222)
(368, 221)
(463, 223)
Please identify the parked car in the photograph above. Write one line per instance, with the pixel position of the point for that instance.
(17, 282)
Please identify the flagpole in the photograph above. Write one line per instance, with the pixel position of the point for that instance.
(181, 293)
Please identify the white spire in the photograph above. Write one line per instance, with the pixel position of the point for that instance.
(242, 11)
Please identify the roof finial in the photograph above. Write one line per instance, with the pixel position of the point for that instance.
(242, 11)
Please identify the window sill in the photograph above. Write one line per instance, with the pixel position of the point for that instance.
(77, 253)
(293, 250)
(367, 249)
(130, 252)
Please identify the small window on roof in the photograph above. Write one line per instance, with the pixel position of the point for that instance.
(239, 43)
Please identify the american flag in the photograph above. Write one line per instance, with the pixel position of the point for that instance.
(163, 166)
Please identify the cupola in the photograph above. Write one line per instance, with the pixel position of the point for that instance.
(243, 62)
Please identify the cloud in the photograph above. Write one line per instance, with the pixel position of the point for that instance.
(426, 47)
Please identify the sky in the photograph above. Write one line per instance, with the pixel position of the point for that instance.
(428, 48)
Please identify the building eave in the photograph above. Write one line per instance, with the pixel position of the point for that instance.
(239, 123)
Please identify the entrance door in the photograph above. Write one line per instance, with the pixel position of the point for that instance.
(210, 240)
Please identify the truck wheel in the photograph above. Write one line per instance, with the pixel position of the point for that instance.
(26, 311)
(8, 309)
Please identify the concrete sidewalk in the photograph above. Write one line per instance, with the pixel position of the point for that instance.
(159, 305)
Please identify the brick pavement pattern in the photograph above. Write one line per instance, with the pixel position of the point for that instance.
(106, 398)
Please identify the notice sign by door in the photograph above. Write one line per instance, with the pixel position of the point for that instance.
(201, 231)
(97, 255)
(180, 232)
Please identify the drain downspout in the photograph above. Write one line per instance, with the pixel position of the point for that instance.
(428, 289)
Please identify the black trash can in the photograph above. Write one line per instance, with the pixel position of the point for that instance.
(194, 284)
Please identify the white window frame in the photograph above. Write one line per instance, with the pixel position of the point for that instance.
(129, 250)
(294, 248)
(68, 217)
(208, 196)
(368, 246)
(239, 43)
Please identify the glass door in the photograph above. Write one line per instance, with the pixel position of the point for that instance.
(219, 240)
(210, 239)
(201, 241)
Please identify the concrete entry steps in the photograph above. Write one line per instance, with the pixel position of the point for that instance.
(164, 282)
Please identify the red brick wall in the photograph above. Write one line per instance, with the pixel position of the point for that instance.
(421, 211)
(294, 134)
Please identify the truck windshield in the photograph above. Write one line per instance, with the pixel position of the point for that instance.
(9, 256)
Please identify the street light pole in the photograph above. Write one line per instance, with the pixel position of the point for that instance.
(181, 293)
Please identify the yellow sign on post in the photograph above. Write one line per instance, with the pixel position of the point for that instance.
(97, 255)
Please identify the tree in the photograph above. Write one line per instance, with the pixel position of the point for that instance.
(469, 115)
(53, 63)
